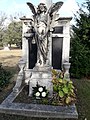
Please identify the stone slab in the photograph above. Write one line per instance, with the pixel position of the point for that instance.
(37, 110)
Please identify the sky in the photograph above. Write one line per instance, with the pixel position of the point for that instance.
(12, 7)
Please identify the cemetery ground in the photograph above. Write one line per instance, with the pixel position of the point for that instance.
(9, 60)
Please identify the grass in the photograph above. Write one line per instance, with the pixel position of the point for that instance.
(83, 98)
(7, 57)
(10, 60)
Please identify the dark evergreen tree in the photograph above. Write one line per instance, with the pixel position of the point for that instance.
(80, 43)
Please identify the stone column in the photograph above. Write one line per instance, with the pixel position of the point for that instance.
(50, 48)
(20, 77)
(66, 66)
(66, 42)
(25, 45)
(25, 51)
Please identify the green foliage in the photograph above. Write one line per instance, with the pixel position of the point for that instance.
(83, 95)
(4, 76)
(80, 44)
(13, 34)
(1, 44)
(64, 89)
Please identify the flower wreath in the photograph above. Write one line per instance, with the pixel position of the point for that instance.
(39, 91)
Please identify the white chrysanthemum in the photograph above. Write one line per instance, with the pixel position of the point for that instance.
(40, 89)
(43, 94)
(37, 94)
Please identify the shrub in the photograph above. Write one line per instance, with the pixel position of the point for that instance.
(4, 76)
(1, 44)
(80, 43)
(80, 61)
(64, 90)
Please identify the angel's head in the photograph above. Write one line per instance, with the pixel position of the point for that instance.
(41, 8)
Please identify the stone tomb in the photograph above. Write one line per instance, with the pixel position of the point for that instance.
(58, 49)
(36, 67)
(60, 44)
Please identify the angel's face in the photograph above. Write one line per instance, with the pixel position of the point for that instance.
(42, 7)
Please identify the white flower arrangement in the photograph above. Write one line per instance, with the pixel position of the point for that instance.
(37, 94)
(43, 94)
(40, 91)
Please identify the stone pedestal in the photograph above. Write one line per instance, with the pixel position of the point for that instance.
(44, 78)
(20, 77)
(66, 66)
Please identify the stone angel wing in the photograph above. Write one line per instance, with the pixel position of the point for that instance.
(32, 7)
(54, 7)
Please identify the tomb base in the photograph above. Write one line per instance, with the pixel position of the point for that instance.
(43, 77)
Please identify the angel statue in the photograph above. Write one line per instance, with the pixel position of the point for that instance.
(42, 19)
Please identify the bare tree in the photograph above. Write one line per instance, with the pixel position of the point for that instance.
(3, 17)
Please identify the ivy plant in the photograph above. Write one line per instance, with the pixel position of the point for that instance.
(64, 90)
